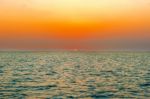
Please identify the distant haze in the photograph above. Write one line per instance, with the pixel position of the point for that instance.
(82, 44)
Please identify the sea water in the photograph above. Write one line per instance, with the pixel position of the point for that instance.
(74, 75)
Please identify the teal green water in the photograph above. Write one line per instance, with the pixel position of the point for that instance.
(74, 75)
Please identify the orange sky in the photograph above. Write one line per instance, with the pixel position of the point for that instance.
(74, 19)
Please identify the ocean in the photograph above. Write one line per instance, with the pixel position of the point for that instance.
(74, 75)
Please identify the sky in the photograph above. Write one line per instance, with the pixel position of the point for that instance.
(75, 24)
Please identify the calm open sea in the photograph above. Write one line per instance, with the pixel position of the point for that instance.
(74, 75)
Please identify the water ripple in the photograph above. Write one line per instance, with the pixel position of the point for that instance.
(73, 75)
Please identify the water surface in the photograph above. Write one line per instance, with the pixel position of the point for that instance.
(74, 75)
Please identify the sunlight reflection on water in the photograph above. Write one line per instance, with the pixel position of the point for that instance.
(58, 75)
